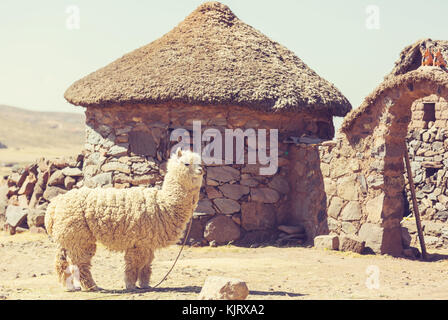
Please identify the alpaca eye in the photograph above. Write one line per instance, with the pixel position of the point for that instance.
(187, 164)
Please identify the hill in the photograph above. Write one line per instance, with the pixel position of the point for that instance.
(29, 135)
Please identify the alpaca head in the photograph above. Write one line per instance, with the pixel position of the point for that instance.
(185, 165)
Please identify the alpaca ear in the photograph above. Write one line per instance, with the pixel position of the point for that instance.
(179, 152)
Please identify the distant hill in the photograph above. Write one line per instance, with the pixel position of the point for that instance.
(23, 128)
(29, 135)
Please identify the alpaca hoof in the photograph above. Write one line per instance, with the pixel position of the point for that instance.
(145, 287)
(72, 289)
(131, 287)
(92, 289)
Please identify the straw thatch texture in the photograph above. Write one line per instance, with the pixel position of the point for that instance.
(411, 56)
(211, 58)
(429, 76)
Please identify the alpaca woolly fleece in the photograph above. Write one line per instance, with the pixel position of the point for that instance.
(136, 221)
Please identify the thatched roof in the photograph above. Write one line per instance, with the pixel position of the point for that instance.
(211, 58)
(434, 76)
(411, 57)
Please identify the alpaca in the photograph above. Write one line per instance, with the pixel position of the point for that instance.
(136, 221)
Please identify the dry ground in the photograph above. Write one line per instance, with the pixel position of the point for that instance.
(26, 272)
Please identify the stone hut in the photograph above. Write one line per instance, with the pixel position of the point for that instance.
(428, 151)
(215, 69)
(363, 170)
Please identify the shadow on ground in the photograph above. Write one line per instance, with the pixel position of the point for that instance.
(276, 293)
(187, 289)
(196, 289)
(437, 257)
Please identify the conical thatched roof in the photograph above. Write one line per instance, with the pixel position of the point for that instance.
(211, 58)
(411, 57)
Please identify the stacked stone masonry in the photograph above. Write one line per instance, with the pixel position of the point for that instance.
(129, 146)
(25, 193)
(428, 152)
(352, 186)
(365, 182)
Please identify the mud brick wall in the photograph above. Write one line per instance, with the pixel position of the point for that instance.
(129, 146)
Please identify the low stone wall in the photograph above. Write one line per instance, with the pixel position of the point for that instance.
(28, 190)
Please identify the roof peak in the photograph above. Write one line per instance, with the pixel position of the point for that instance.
(211, 58)
(213, 5)
(213, 10)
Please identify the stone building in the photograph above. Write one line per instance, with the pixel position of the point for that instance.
(216, 69)
(428, 151)
(363, 170)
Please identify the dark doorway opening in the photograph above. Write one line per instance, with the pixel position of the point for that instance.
(429, 110)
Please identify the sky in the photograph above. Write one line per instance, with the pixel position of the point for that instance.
(46, 45)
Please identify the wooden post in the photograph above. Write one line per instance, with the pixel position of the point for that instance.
(414, 203)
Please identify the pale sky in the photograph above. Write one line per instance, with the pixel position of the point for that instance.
(40, 57)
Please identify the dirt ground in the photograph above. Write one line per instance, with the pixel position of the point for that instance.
(26, 272)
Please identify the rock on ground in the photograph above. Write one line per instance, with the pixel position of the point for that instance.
(351, 243)
(15, 215)
(372, 234)
(221, 288)
(330, 242)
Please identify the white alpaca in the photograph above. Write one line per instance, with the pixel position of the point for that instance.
(136, 220)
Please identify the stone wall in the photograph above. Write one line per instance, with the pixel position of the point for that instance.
(428, 152)
(129, 146)
(363, 172)
(354, 185)
(39, 182)
(308, 197)
(345, 185)
(25, 194)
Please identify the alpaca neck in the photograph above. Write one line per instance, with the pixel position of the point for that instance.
(178, 199)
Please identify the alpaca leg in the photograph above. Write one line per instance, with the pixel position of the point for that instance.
(135, 259)
(81, 258)
(61, 266)
(145, 272)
